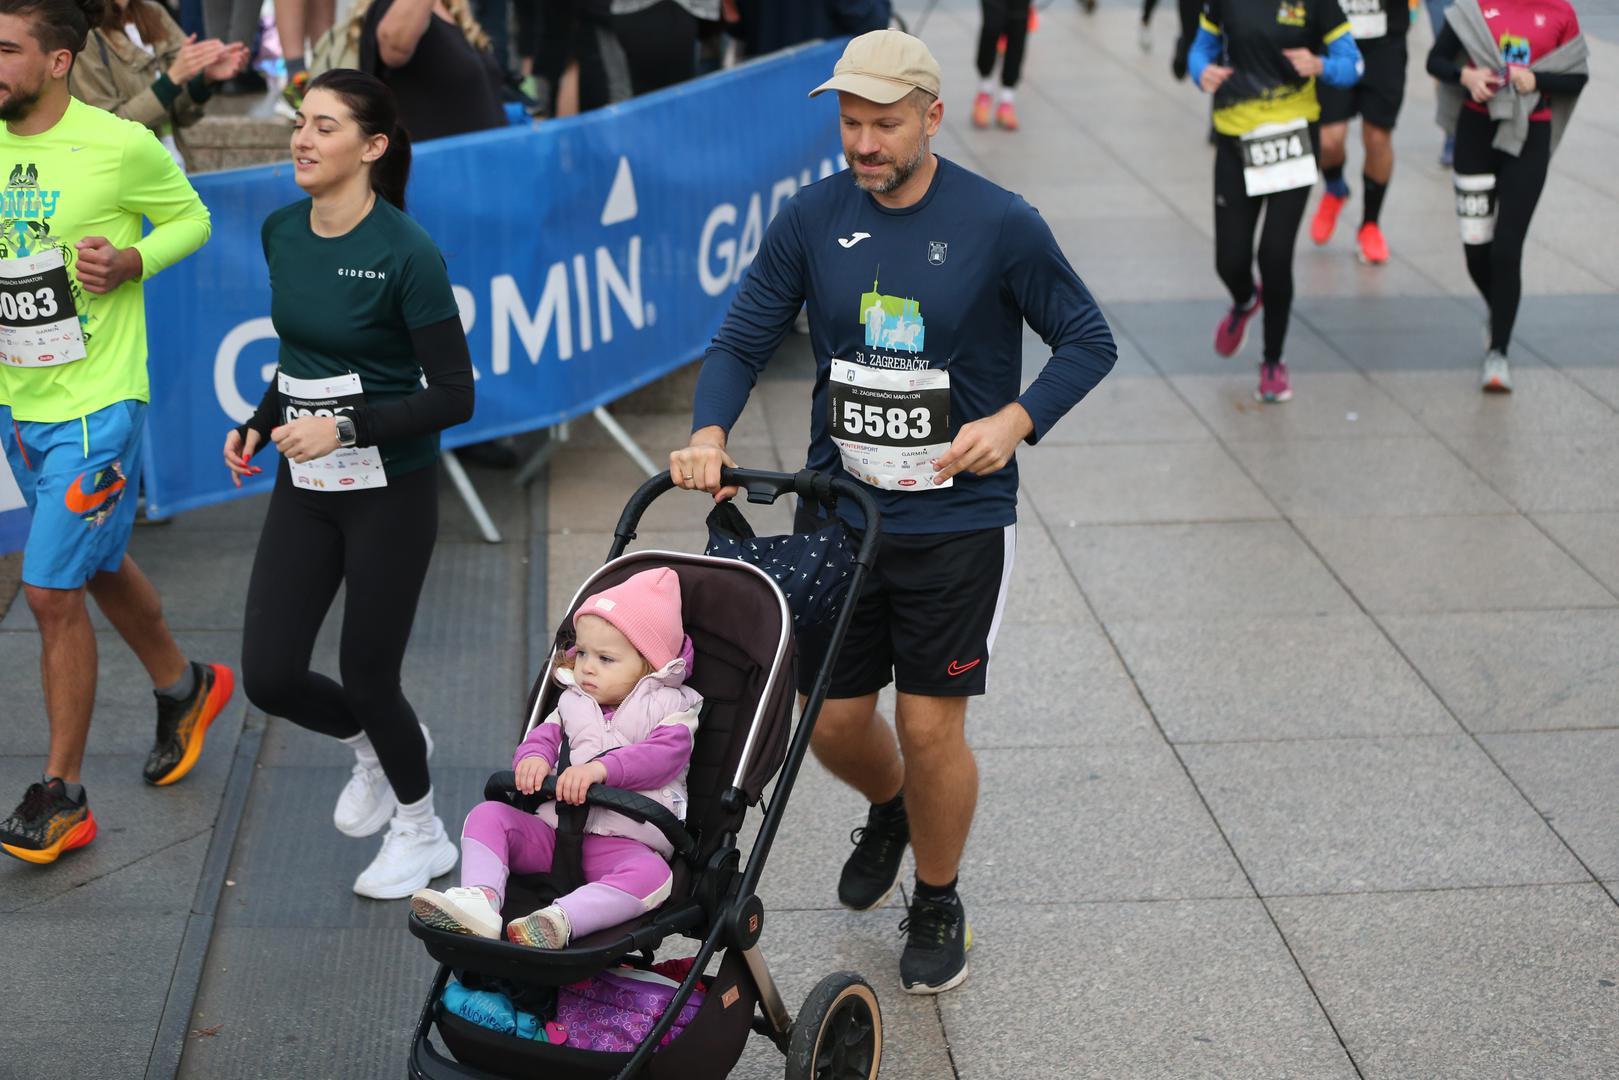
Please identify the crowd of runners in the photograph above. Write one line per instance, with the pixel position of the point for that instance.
(374, 365)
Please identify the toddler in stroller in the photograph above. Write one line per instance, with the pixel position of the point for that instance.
(630, 721)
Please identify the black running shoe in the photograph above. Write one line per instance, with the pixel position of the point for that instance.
(183, 725)
(872, 868)
(937, 938)
(47, 823)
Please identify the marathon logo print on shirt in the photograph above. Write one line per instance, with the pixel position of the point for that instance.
(26, 210)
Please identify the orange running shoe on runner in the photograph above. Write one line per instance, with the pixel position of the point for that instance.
(1326, 217)
(1373, 248)
(182, 725)
(981, 110)
(47, 823)
(1006, 117)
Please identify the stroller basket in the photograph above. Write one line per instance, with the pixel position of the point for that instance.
(741, 632)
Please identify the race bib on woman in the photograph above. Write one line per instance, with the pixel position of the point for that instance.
(348, 468)
(1277, 157)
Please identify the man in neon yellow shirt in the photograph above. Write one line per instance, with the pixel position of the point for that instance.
(73, 394)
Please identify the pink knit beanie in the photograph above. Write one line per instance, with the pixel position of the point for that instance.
(646, 610)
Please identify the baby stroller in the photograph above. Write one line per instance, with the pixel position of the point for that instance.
(741, 630)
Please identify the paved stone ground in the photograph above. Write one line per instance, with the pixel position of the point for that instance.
(1300, 747)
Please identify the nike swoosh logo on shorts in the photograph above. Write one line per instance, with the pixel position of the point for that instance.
(958, 668)
(80, 503)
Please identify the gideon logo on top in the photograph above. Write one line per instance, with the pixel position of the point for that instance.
(344, 271)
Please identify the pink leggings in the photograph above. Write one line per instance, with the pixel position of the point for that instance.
(624, 877)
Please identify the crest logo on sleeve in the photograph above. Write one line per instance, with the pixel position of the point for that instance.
(937, 251)
(892, 322)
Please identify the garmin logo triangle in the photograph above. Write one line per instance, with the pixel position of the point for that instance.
(621, 205)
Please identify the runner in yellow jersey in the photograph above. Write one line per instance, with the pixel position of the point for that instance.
(73, 393)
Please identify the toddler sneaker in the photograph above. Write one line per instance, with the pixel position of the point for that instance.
(411, 856)
(546, 928)
(459, 911)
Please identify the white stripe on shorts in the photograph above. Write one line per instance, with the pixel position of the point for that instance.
(1009, 540)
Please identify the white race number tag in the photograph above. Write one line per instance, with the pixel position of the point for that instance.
(39, 326)
(348, 468)
(1367, 19)
(1475, 207)
(1277, 157)
(890, 425)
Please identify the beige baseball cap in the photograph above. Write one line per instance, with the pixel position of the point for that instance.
(883, 66)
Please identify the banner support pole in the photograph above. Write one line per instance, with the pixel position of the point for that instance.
(469, 496)
(625, 443)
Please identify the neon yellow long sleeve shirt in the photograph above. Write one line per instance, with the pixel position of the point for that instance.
(93, 174)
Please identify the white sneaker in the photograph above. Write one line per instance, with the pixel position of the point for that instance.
(411, 856)
(1497, 375)
(547, 928)
(367, 800)
(460, 911)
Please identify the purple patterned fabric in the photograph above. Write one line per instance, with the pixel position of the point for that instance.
(615, 1010)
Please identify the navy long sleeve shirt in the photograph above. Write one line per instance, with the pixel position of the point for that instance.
(970, 262)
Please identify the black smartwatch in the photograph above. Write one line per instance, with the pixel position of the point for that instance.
(345, 431)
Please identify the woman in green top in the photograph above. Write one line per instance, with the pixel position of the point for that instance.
(361, 300)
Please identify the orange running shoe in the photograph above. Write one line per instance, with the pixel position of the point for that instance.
(47, 823)
(1373, 248)
(1006, 117)
(182, 725)
(981, 110)
(1326, 217)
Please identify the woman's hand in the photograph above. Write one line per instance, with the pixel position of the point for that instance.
(306, 438)
(238, 454)
(1305, 62)
(230, 63)
(576, 780)
(1523, 80)
(531, 773)
(194, 56)
(1480, 83)
(1212, 77)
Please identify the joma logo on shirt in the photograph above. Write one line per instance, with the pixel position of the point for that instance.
(343, 271)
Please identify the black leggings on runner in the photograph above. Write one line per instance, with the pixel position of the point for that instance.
(377, 544)
(1497, 267)
(1236, 218)
(1009, 17)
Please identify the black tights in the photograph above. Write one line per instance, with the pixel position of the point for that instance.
(1011, 18)
(1497, 267)
(1236, 218)
(377, 543)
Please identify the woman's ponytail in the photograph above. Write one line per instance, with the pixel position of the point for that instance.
(376, 113)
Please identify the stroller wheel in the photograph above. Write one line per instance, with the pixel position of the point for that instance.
(839, 1033)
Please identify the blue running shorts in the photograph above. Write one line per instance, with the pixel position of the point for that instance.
(80, 479)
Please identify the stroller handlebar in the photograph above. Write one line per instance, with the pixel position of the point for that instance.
(502, 787)
(765, 487)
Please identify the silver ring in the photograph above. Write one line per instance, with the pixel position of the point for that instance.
(686, 475)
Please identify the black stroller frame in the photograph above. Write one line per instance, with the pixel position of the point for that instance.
(721, 908)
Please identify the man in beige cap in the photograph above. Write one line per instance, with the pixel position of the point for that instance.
(918, 276)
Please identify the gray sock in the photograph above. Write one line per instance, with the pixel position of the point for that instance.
(183, 687)
(72, 791)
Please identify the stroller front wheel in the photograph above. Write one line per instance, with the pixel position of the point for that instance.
(839, 1033)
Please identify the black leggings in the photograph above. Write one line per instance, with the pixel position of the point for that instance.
(660, 43)
(1009, 17)
(1497, 267)
(1236, 218)
(377, 543)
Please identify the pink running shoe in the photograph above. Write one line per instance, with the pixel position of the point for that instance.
(1233, 329)
(1273, 386)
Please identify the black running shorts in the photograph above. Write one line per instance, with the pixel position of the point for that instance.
(926, 619)
(1376, 98)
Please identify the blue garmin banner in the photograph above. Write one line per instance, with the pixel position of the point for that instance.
(589, 256)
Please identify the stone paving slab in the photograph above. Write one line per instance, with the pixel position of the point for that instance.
(1570, 777)
(1490, 563)
(1589, 538)
(1340, 405)
(1551, 473)
(1298, 677)
(1125, 483)
(1517, 671)
(1375, 814)
(1542, 400)
(1156, 991)
(1473, 984)
(1367, 478)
